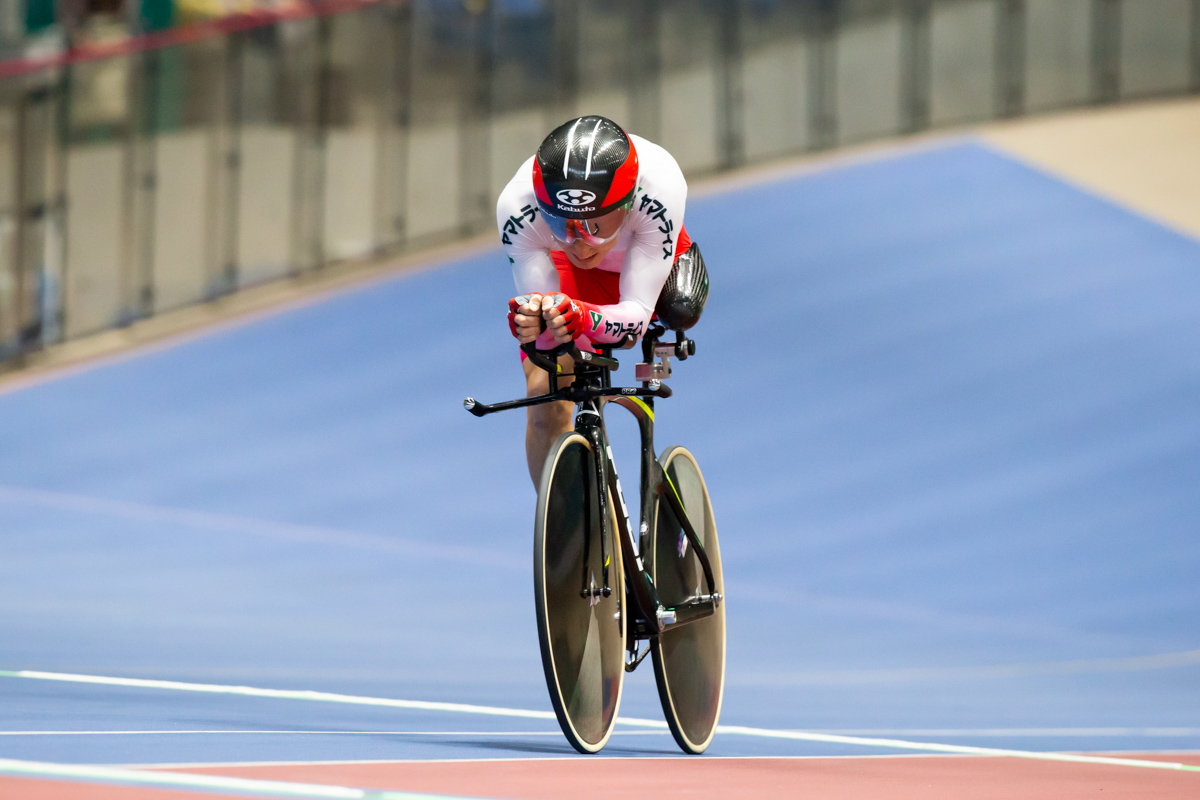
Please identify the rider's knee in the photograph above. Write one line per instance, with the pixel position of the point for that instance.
(551, 416)
(537, 383)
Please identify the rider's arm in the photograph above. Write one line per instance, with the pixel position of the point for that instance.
(526, 241)
(526, 244)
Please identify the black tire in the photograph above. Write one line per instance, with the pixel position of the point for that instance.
(582, 638)
(689, 661)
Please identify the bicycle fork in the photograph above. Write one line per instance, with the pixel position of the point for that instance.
(589, 423)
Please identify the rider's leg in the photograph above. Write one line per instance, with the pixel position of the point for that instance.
(544, 423)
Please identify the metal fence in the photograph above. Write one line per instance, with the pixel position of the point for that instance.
(154, 172)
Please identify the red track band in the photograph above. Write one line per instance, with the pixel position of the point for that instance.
(183, 34)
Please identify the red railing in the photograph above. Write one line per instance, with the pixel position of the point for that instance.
(183, 34)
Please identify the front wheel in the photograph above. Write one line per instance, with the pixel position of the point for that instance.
(582, 632)
(689, 661)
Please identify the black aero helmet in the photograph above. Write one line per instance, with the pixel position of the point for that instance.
(585, 168)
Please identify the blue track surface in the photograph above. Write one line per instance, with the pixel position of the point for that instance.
(948, 409)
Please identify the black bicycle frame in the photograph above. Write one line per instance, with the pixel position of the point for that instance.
(656, 482)
(592, 375)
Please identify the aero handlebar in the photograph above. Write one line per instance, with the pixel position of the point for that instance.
(548, 359)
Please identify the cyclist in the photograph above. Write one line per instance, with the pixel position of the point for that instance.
(592, 225)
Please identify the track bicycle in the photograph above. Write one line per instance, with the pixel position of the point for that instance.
(605, 599)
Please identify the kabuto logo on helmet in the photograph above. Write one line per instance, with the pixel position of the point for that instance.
(576, 197)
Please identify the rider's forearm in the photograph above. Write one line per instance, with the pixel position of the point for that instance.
(610, 324)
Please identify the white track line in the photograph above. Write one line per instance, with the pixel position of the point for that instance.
(901, 744)
(283, 694)
(314, 733)
(462, 708)
(210, 783)
(522, 759)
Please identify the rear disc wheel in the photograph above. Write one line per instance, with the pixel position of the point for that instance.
(689, 661)
(581, 632)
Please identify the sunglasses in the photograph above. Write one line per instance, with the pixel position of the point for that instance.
(568, 230)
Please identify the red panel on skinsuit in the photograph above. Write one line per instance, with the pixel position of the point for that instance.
(596, 285)
(894, 778)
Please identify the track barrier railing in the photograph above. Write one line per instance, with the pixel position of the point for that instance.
(141, 173)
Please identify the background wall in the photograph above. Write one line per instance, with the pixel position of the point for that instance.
(141, 171)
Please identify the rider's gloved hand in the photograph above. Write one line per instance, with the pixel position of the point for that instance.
(567, 318)
(525, 317)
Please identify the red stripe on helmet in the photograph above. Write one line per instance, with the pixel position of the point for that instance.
(624, 179)
(539, 186)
